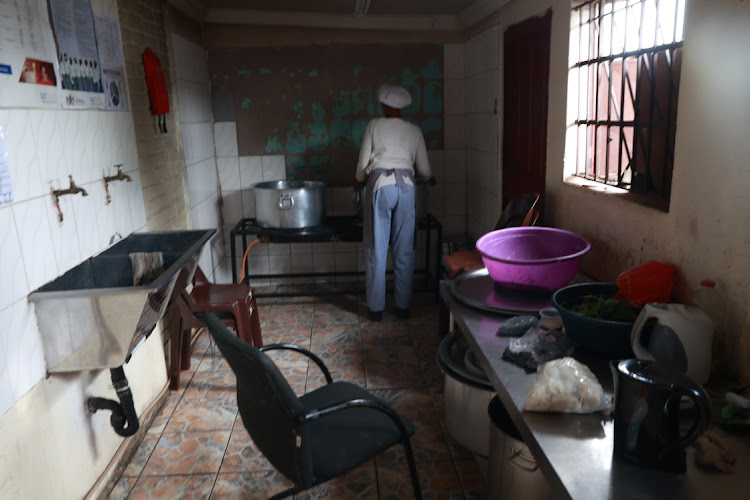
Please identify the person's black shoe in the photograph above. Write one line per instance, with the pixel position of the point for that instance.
(376, 315)
(402, 313)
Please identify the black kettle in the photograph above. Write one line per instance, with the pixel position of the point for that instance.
(647, 414)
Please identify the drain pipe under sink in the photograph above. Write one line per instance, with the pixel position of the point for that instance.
(123, 419)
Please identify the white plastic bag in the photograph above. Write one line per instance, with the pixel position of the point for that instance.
(566, 386)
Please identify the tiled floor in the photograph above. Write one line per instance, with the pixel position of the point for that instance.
(198, 448)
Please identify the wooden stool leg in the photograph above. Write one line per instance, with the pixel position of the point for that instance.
(242, 320)
(185, 348)
(175, 354)
(255, 323)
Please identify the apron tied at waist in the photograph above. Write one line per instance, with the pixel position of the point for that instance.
(400, 173)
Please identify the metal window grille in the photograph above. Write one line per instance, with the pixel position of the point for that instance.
(625, 72)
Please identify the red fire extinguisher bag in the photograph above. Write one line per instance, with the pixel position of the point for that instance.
(156, 83)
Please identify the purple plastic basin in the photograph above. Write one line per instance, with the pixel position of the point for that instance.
(532, 258)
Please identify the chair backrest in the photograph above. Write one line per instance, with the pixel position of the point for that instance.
(520, 211)
(268, 406)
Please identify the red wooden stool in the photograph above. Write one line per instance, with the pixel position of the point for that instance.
(234, 303)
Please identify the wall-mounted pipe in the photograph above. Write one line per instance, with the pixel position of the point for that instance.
(123, 419)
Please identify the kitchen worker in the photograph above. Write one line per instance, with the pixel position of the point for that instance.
(391, 149)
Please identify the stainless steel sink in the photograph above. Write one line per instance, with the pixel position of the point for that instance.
(92, 317)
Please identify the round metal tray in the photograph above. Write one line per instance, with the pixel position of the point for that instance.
(477, 289)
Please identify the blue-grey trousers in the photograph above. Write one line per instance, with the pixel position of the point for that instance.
(393, 221)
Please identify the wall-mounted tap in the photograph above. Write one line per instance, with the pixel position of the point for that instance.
(73, 189)
(119, 177)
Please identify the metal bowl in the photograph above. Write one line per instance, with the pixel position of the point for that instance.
(611, 338)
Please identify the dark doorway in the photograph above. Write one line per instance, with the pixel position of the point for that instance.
(525, 83)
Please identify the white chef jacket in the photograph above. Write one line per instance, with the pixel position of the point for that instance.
(392, 143)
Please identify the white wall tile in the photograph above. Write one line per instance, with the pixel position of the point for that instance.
(225, 139)
(190, 60)
(74, 129)
(481, 92)
(454, 225)
(251, 171)
(21, 359)
(248, 203)
(16, 127)
(201, 180)
(301, 249)
(229, 173)
(279, 248)
(302, 263)
(455, 165)
(280, 264)
(455, 132)
(324, 263)
(197, 141)
(13, 283)
(64, 235)
(274, 168)
(453, 91)
(453, 60)
(194, 99)
(36, 242)
(135, 194)
(206, 214)
(437, 163)
(482, 52)
(232, 206)
(455, 202)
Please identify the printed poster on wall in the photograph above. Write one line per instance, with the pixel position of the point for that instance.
(80, 71)
(28, 76)
(112, 61)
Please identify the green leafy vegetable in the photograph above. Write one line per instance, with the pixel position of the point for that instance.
(600, 307)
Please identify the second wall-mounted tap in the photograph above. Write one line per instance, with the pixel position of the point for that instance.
(120, 176)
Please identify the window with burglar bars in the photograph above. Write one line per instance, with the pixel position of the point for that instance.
(623, 88)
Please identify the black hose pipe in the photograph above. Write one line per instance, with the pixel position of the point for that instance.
(123, 419)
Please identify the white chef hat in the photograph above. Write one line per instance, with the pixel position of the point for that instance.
(394, 96)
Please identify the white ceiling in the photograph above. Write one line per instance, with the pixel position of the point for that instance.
(357, 14)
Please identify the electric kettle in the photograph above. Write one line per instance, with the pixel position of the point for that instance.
(647, 414)
(676, 335)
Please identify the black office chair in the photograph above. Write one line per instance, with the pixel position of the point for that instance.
(315, 437)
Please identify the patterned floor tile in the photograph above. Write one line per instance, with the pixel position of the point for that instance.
(187, 453)
(122, 488)
(361, 483)
(428, 442)
(196, 486)
(142, 454)
(472, 480)
(436, 479)
(242, 455)
(290, 316)
(161, 420)
(255, 484)
(203, 415)
(299, 335)
(334, 334)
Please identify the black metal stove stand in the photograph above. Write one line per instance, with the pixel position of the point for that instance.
(335, 228)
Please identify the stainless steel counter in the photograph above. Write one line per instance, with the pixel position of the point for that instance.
(575, 451)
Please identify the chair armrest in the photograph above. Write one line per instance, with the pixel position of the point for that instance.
(300, 349)
(359, 403)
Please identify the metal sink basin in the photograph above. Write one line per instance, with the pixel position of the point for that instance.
(93, 316)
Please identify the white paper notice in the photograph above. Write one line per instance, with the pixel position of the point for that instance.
(6, 188)
(112, 61)
(28, 66)
(80, 71)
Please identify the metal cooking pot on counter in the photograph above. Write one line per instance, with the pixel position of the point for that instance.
(290, 204)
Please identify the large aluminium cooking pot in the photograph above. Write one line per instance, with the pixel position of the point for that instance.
(290, 204)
